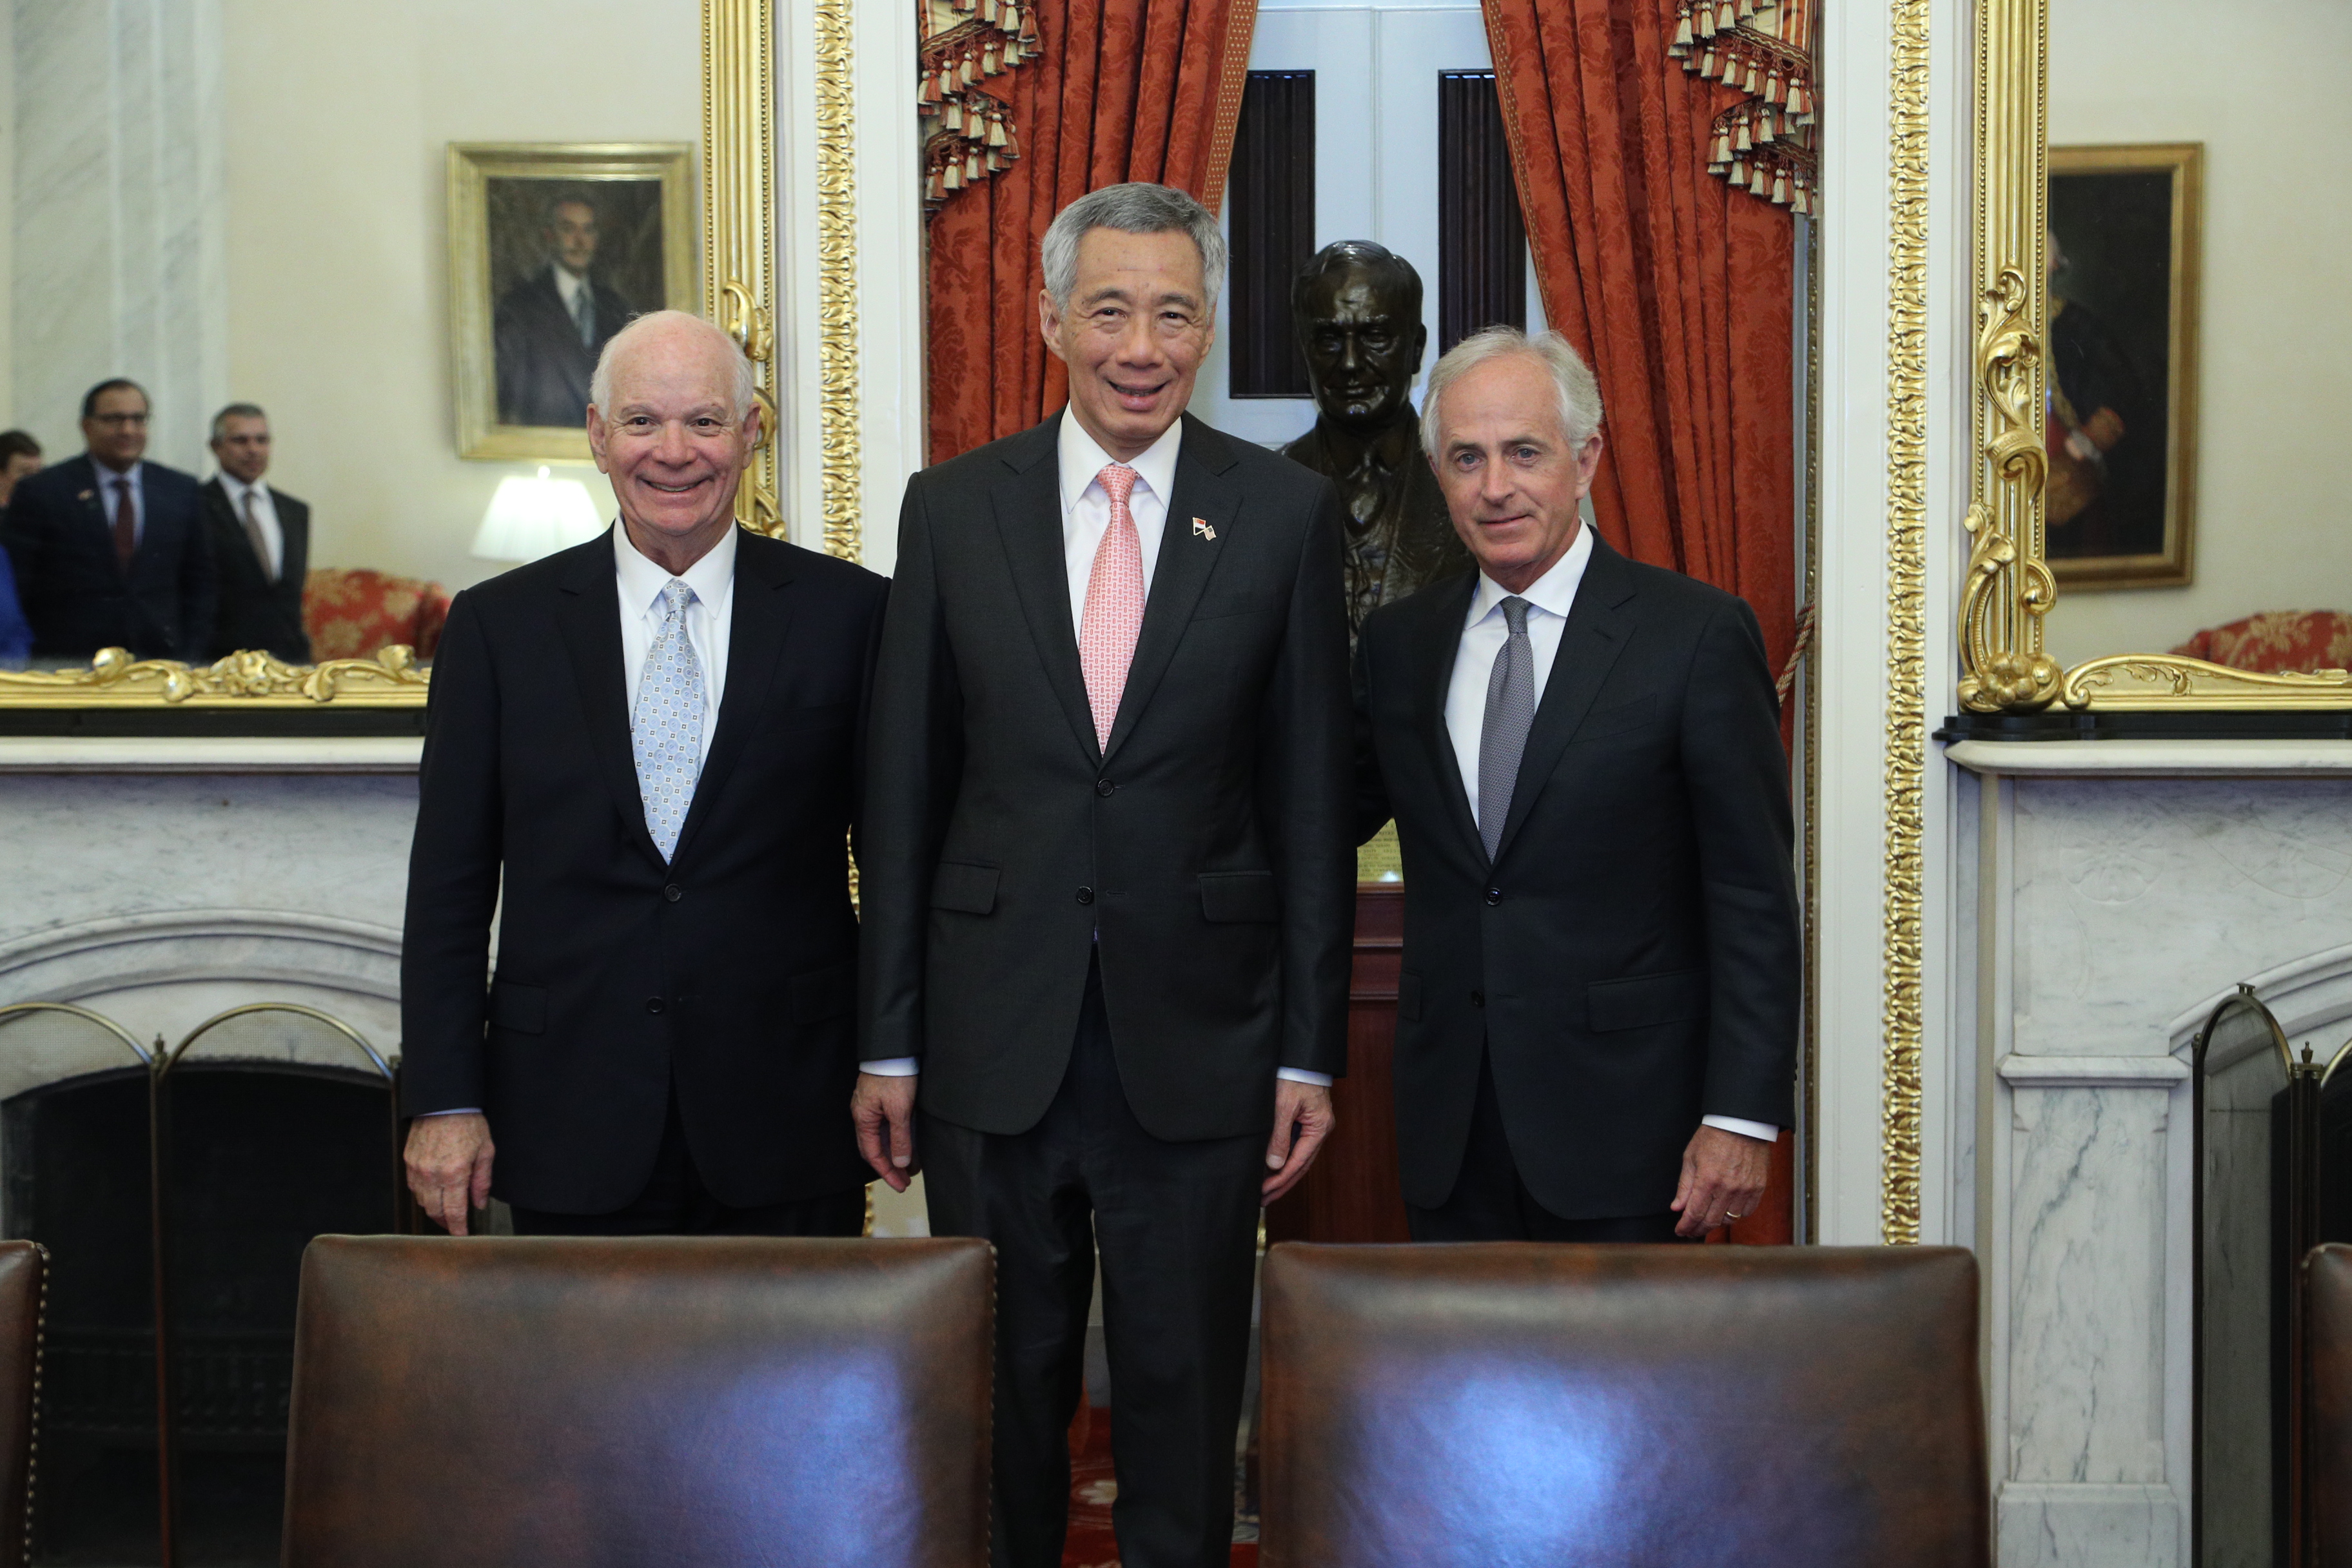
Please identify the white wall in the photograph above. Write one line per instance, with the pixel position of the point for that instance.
(338, 116)
(2261, 86)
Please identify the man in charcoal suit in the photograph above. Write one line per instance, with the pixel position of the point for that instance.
(643, 752)
(1109, 879)
(109, 549)
(260, 541)
(551, 327)
(1597, 1016)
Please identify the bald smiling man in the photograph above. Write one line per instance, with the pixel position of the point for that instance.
(653, 739)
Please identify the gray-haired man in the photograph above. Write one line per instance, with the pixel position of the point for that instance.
(1107, 877)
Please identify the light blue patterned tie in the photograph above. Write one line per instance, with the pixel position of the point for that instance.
(665, 729)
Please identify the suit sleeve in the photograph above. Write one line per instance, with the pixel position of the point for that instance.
(914, 763)
(199, 586)
(453, 876)
(1737, 775)
(1307, 785)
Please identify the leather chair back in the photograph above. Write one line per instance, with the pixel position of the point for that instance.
(2327, 1403)
(1473, 1404)
(24, 1271)
(504, 1403)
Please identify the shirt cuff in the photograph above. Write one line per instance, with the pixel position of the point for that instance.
(453, 1110)
(1760, 1130)
(1300, 1074)
(893, 1067)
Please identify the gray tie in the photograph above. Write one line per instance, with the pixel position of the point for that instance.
(666, 727)
(1510, 713)
(584, 311)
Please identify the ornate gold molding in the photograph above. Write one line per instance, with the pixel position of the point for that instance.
(837, 288)
(249, 680)
(739, 224)
(1906, 610)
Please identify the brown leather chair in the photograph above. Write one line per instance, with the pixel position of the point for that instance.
(2327, 1403)
(1773, 1407)
(501, 1403)
(23, 1269)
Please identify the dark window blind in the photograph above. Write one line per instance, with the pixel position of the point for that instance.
(1271, 213)
(1481, 244)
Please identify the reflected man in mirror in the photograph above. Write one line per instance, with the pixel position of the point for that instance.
(2095, 416)
(1597, 1016)
(20, 456)
(642, 753)
(261, 540)
(552, 326)
(1356, 307)
(109, 549)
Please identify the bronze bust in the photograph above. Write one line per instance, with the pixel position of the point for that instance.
(1356, 307)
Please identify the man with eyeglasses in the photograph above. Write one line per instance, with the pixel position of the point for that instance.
(110, 549)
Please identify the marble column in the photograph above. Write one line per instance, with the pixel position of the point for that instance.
(119, 222)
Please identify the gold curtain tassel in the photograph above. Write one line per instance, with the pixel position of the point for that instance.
(1744, 142)
(1780, 189)
(996, 136)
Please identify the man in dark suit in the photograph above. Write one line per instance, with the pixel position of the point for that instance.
(110, 550)
(260, 541)
(551, 327)
(647, 744)
(1598, 1010)
(1107, 877)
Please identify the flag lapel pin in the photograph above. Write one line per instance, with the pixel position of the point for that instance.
(1200, 526)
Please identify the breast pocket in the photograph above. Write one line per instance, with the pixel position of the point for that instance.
(1632, 715)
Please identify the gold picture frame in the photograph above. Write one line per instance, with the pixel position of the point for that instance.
(2007, 587)
(513, 364)
(2122, 328)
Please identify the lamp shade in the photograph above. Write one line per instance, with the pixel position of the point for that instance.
(529, 518)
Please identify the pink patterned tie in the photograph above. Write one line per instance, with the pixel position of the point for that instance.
(1114, 614)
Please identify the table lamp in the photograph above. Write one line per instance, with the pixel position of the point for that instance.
(529, 518)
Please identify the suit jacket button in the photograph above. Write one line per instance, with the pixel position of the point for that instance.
(1085, 895)
(653, 1003)
(1105, 789)
(674, 892)
(1494, 896)
(1477, 998)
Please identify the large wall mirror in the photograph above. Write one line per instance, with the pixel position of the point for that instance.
(399, 233)
(2154, 527)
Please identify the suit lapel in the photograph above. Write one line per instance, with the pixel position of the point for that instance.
(1438, 640)
(1182, 568)
(1597, 630)
(761, 624)
(588, 614)
(1027, 499)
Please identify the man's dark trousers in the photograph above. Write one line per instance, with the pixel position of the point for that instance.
(1176, 1225)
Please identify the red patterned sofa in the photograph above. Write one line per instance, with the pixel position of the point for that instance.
(351, 612)
(2277, 640)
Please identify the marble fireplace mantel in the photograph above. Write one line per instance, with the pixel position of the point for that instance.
(2107, 894)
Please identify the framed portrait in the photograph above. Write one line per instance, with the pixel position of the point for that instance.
(2121, 496)
(552, 248)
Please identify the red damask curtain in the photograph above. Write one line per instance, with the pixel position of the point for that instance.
(1675, 284)
(1119, 89)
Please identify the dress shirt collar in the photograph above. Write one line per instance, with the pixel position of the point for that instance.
(237, 489)
(1083, 460)
(1555, 591)
(108, 478)
(568, 283)
(643, 581)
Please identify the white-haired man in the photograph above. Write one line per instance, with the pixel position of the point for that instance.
(1597, 1025)
(648, 745)
(1107, 877)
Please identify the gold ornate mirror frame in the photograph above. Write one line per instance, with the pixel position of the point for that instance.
(739, 273)
(2007, 589)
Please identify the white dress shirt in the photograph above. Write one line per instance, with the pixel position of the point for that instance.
(1484, 631)
(265, 512)
(709, 621)
(709, 616)
(1086, 518)
(568, 285)
(108, 480)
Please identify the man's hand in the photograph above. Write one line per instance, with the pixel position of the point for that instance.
(1723, 1179)
(881, 1101)
(448, 1159)
(1307, 1109)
